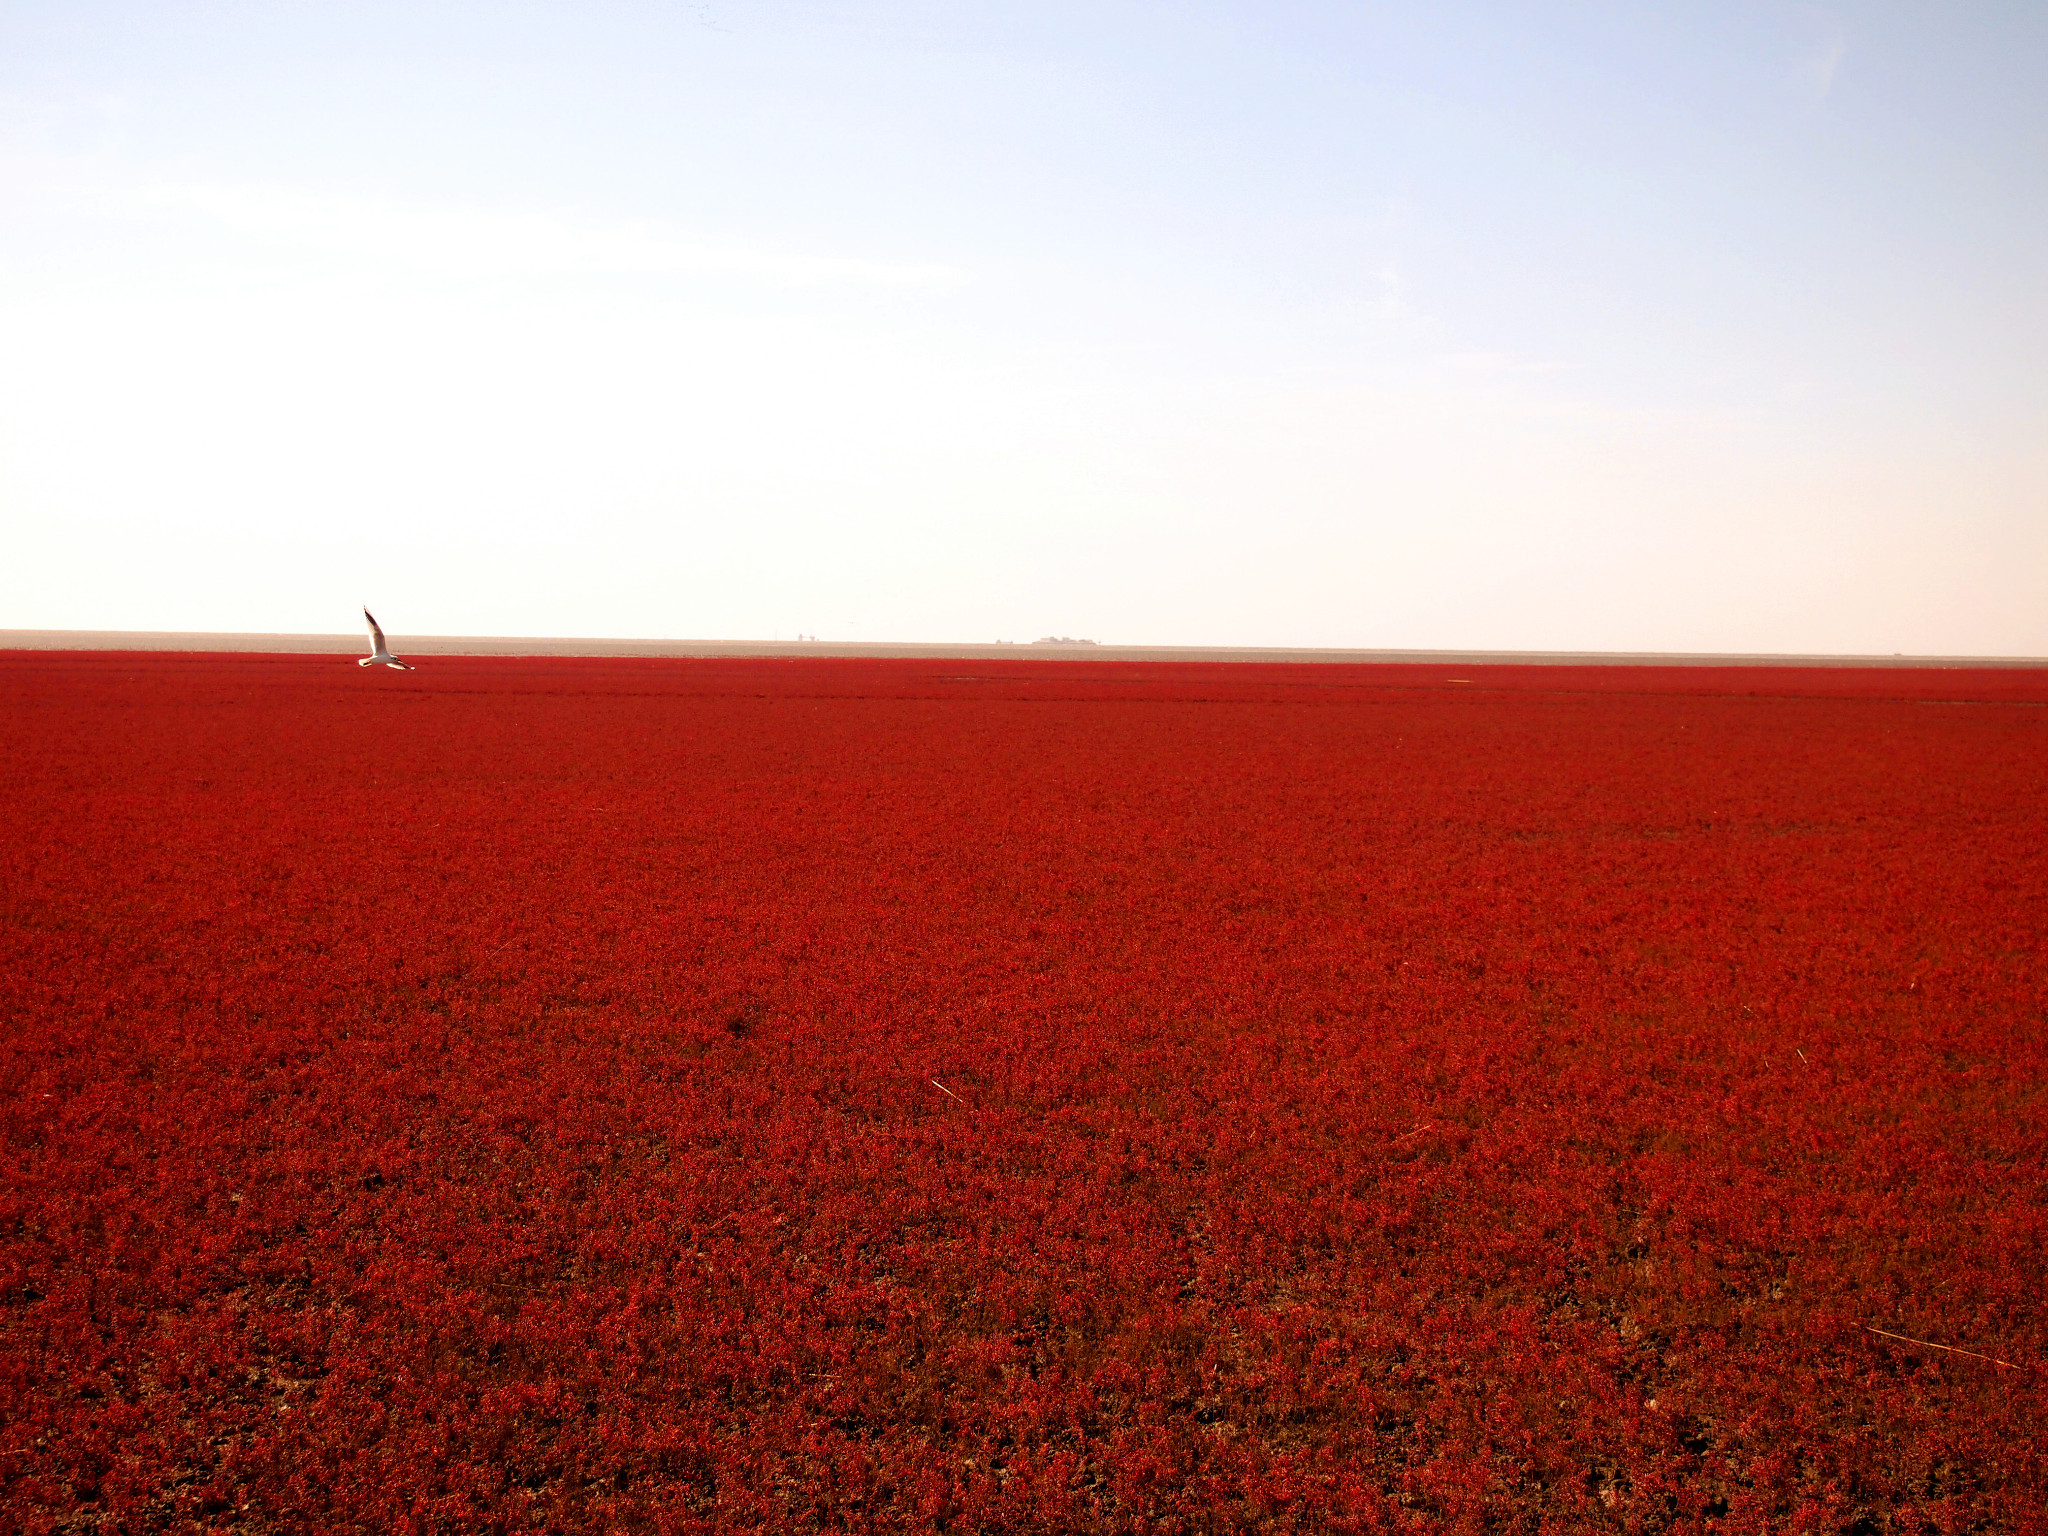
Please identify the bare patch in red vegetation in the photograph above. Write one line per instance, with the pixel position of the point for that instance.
(673, 1096)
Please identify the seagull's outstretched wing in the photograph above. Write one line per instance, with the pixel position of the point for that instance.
(377, 645)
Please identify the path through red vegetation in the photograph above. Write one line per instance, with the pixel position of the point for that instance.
(685, 1095)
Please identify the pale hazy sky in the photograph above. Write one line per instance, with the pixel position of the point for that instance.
(1693, 326)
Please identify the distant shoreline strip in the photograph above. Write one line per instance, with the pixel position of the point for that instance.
(475, 645)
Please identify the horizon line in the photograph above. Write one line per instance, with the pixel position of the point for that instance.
(258, 642)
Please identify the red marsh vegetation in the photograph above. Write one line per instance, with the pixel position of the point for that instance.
(619, 1096)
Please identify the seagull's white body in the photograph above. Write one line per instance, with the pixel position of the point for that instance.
(380, 654)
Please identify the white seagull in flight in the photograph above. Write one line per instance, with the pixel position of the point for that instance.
(380, 654)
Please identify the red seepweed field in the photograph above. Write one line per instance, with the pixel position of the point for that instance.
(616, 1096)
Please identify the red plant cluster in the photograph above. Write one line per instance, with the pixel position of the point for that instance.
(618, 1096)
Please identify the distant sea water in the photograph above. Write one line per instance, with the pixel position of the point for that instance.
(482, 645)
